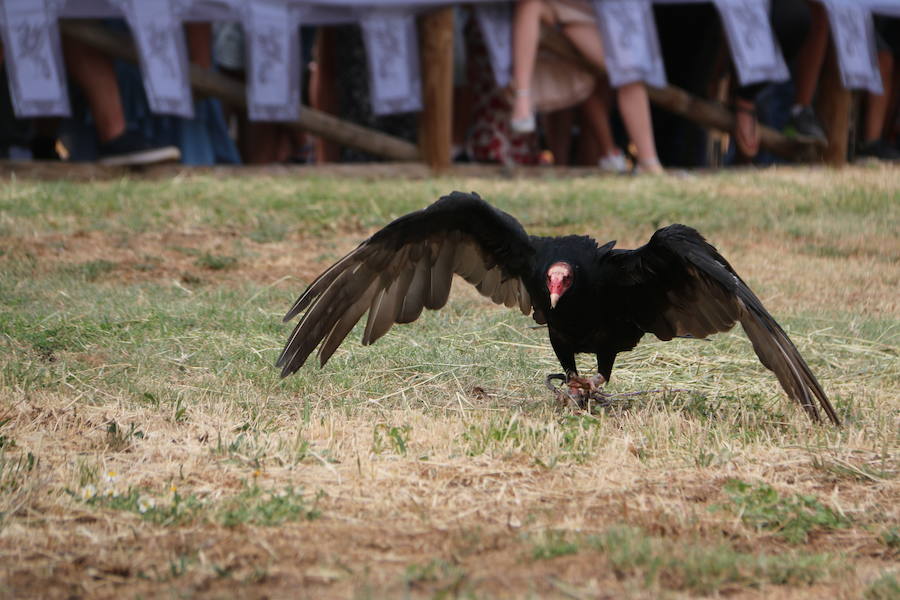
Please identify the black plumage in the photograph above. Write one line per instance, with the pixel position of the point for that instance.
(675, 285)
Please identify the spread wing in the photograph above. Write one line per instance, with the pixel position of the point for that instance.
(679, 285)
(408, 266)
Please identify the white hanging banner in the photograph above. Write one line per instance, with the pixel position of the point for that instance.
(273, 54)
(630, 42)
(33, 58)
(390, 37)
(495, 22)
(756, 54)
(854, 42)
(159, 37)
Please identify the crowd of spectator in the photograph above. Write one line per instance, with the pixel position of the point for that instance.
(555, 110)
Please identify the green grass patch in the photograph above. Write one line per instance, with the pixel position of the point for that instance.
(679, 565)
(793, 517)
(252, 506)
(215, 262)
(886, 587)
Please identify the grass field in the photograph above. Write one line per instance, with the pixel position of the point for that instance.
(148, 447)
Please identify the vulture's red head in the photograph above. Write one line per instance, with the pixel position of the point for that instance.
(559, 279)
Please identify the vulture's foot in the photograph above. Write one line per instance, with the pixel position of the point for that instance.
(579, 392)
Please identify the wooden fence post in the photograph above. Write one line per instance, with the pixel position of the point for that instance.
(436, 124)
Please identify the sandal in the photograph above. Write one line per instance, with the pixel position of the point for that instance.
(525, 124)
(746, 128)
(648, 167)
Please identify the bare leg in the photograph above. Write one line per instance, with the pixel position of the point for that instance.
(634, 105)
(587, 152)
(526, 32)
(95, 76)
(877, 104)
(586, 38)
(810, 57)
(558, 134)
(596, 108)
(890, 121)
(746, 134)
(199, 43)
(595, 111)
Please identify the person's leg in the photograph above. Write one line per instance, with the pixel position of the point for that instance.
(746, 127)
(811, 56)
(199, 43)
(877, 104)
(586, 38)
(893, 103)
(526, 35)
(634, 106)
(94, 74)
(557, 128)
(874, 138)
(595, 112)
(791, 21)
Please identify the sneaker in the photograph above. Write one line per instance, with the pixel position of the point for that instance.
(132, 148)
(44, 148)
(523, 125)
(878, 149)
(613, 163)
(803, 122)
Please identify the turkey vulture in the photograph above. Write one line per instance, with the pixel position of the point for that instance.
(595, 299)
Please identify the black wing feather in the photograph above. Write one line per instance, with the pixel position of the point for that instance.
(679, 285)
(408, 266)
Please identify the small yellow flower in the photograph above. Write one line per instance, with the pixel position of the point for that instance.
(88, 492)
(110, 476)
(109, 492)
(256, 473)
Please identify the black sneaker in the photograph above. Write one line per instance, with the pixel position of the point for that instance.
(878, 149)
(44, 148)
(805, 123)
(132, 148)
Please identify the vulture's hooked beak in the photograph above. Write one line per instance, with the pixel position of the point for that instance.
(559, 279)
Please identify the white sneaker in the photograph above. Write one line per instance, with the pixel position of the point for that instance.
(523, 125)
(613, 163)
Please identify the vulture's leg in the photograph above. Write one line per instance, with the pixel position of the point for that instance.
(605, 364)
(565, 354)
(574, 389)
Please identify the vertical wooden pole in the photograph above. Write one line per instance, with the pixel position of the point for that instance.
(833, 107)
(436, 123)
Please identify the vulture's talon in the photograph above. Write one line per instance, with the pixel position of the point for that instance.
(579, 392)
